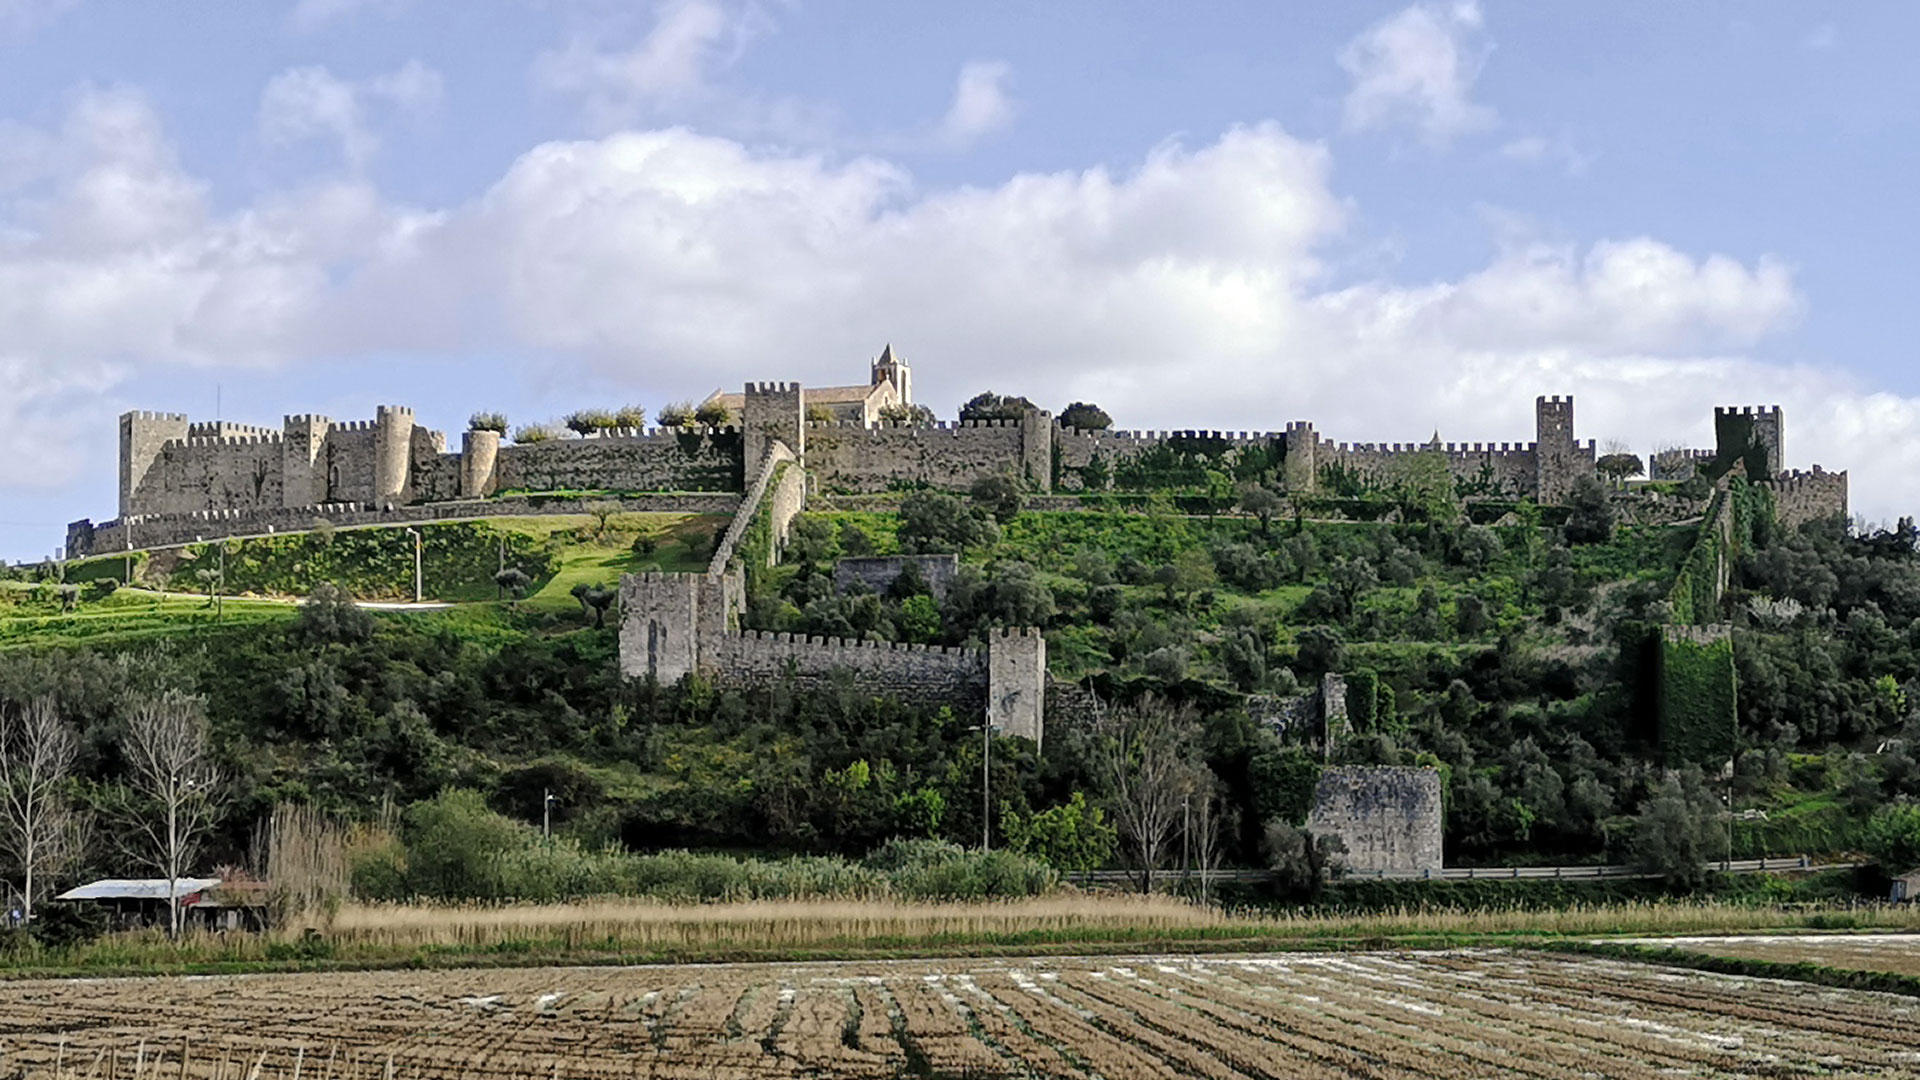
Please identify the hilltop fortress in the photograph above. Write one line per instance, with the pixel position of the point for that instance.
(183, 481)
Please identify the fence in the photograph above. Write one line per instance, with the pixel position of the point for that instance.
(1458, 873)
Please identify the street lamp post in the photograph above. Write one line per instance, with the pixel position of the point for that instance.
(986, 786)
(415, 533)
(546, 810)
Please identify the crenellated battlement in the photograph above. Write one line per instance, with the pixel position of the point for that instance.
(204, 441)
(1746, 410)
(1707, 635)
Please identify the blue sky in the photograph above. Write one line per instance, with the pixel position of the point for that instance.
(1386, 218)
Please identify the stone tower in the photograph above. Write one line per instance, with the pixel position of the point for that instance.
(303, 472)
(1036, 448)
(891, 368)
(392, 455)
(479, 454)
(1556, 455)
(1737, 431)
(1302, 465)
(142, 434)
(1017, 682)
(771, 411)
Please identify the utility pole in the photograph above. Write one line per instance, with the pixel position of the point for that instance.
(415, 533)
(986, 786)
(546, 813)
(1186, 834)
(220, 586)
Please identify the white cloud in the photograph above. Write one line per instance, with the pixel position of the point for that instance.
(1189, 290)
(673, 63)
(309, 15)
(1418, 68)
(1539, 150)
(311, 102)
(982, 104)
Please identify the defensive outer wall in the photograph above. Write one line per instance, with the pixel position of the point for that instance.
(673, 625)
(181, 481)
(1389, 817)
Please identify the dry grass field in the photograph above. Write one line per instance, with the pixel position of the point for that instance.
(1479, 1013)
(1895, 954)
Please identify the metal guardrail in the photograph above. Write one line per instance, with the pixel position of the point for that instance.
(1457, 873)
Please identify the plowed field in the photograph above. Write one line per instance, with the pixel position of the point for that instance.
(1435, 1014)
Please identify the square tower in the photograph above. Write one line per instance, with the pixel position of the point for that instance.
(769, 412)
(1750, 433)
(142, 436)
(1556, 455)
(303, 472)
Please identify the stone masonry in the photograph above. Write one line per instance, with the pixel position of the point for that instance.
(173, 468)
(675, 625)
(1389, 817)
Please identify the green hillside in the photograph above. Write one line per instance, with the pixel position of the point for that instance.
(1527, 666)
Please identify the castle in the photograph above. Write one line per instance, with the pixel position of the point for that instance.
(182, 481)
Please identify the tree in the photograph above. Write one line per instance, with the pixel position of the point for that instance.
(1893, 838)
(1208, 820)
(1591, 516)
(934, 522)
(1618, 467)
(1263, 503)
(713, 414)
(329, 615)
(1146, 756)
(594, 601)
(528, 434)
(910, 415)
(1085, 416)
(588, 421)
(1678, 831)
(999, 495)
(488, 421)
(1070, 837)
(991, 406)
(678, 414)
(630, 416)
(175, 785)
(601, 510)
(1319, 649)
(1302, 862)
(39, 828)
(512, 580)
(1189, 572)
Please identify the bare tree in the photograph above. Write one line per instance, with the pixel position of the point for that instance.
(1208, 821)
(169, 752)
(1146, 752)
(39, 827)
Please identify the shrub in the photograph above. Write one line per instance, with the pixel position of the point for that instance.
(488, 421)
(588, 421)
(678, 414)
(713, 414)
(528, 434)
(630, 416)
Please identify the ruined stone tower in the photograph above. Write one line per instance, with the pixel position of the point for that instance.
(1752, 433)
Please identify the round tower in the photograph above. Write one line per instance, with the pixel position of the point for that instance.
(392, 454)
(479, 453)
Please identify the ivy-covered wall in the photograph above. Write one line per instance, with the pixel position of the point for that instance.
(1698, 696)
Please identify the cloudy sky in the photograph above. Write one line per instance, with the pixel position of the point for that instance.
(1389, 219)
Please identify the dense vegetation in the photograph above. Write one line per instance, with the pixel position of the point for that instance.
(1521, 659)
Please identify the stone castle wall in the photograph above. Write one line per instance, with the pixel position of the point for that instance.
(1800, 497)
(673, 625)
(854, 459)
(171, 466)
(1389, 817)
(141, 532)
(921, 673)
(877, 573)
